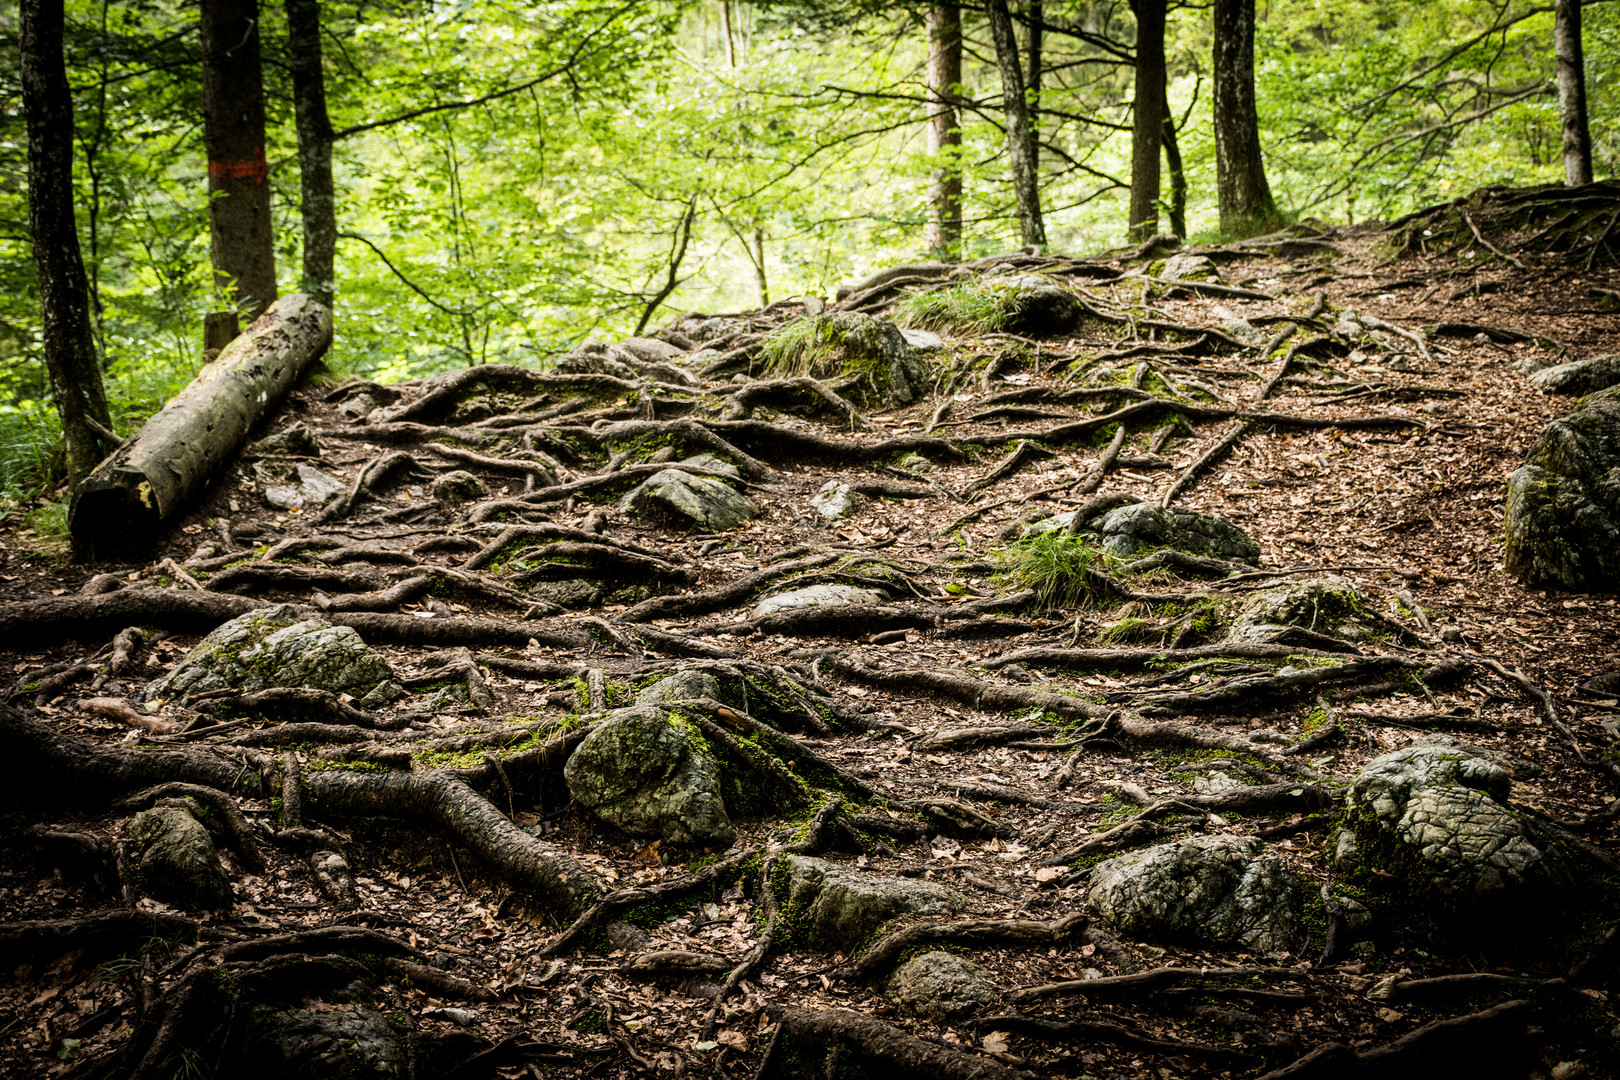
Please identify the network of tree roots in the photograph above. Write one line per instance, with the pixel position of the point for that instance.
(983, 727)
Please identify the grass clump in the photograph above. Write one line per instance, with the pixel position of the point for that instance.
(804, 346)
(1064, 571)
(975, 306)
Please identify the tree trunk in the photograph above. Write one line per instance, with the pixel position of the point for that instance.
(233, 131)
(319, 206)
(944, 232)
(1148, 125)
(759, 268)
(1035, 11)
(1024, 179)
(1240, 175)
(1178, 175)
(179, 450)
(1572, 93)
(64, 291)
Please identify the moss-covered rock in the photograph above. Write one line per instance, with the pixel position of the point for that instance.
(336, 1041)
(458, 486)
(1431, 820)
(1144, 526)
(1578, 377)
(1325, 605)
(1563, 505)
(179, 863)
(942, 986)
(642, 770)
(692, 502)
(836, 908)
(275, 646)
(1210, 890)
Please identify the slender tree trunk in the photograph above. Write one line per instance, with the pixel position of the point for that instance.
(1572, 92)
(944, 232)
(1035, 10)
(1178, 175)
(1240, 175)
(64, 291)
(319, 206)
(1148, 125)
(725, 28)
(1024, 178)
(233, 131)
(759, 268)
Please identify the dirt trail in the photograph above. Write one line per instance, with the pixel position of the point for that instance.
(993, 723)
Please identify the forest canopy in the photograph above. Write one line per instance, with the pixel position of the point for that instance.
(511, 179)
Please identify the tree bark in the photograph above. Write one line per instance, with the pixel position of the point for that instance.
(238, 176)
(1148, 125)
(943, 234)
(1244, 196)
(1178, 174)
(1572, 92)
(1030, 226)
(1035, 11)
(64, 290)
(179, 450)
(319, 206)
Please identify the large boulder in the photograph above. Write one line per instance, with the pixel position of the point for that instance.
(643, 770)
(1433, 819)
(1563, 504)
(178, 861)
(836, 908)
(687, 501)
(1578, 377)
(276, 646)
(1207, 890)
(681, 686)
(1325, 605)
(942, 986)
(1137, 527)
(335, 1041)
(1036, 307)
(887, 371)
(816, 596)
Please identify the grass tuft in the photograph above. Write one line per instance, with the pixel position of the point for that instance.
(1064, 571)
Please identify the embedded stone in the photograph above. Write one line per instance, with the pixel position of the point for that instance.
(835, 500)
(815, 596)
(836, 907)
(1144, 526)
(681, 686)
(942, 986)
(1326, 605)
(458, 486)
(643, 770)
(178, 862)
(308, 1044)
(298, 441)
(1579, 377)
(1209, 890)
(1562, 521)
(1186, 267)
(311, 488)
(695, 502)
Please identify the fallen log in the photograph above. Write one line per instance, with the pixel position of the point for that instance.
(153, 475)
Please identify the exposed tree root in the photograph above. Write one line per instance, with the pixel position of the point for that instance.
(36, 621)
(891, 949)
(1116, 1034)
(810, 1044)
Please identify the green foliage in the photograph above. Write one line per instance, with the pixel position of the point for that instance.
(802, 347)
(1063, 570)
(973, 306)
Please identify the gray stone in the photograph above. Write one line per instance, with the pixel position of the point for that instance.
(1563, 505)
(1212, 890)
(311, 488)
(304, 1044)
(836, 908)
(1246, 332)
(1037, 307)
(1326, 605)
(917, 463)
(1144, 526)
(179, 863)
(942, 986)
(1440, 805)
(641, 770)
(835, 500)
(817, 596)
(922, 339)
(713, 463)
(888, 372)
(592, 357)
(297, 440)
(695, 502)
(651, 350)
(580, 592)
(1579, 377)
(681, 686)
(275, 647)
(458, 486)
(1185, 267)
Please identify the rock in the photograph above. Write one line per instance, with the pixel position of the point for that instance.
(1037, 307)
(681, 686)
(275, 647)
(942, 986)
(711, 462)
(651, 350)
(1212, 890)
(849, 344)
(311, 489)
(304, 1044)
(1579, 377)
(1246, 332)
(835, 500)
(179, 863)
(626, 936)
(592, 357)
(580, 592)
(817, 596)
(1326, 605)
(297, 440)
(836, 908)
(1144, 526)
(1563, 504)
(1185, 267)
(458, 486)
(917, 463)
(641, 770)
(695, 502)
(363, 399)
(922, 339)
(1434, 815)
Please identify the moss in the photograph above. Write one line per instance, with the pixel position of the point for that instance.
(319, 765)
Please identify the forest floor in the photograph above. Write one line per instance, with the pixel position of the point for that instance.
(963, 731)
